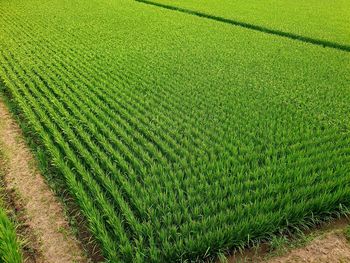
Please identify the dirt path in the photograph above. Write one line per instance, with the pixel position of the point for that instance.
(327, 244)
(329, 248)
(44, 213)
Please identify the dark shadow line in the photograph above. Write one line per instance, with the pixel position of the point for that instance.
(319, 42)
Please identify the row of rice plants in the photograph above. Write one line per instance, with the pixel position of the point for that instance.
(9, 246)
(319, 20)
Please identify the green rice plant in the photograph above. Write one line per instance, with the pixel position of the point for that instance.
(9, 247)
(324, 22)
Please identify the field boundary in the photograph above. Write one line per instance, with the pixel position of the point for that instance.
(10, 201)
(289, 248)
(43, 213)
(301, 38)
(77, 221)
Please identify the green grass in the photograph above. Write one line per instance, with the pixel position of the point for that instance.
(179, 137)
(9, 247)
(321, 20)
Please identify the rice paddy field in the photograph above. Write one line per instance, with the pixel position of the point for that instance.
(181, 137)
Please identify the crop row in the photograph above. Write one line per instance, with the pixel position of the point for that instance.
(9, 246)
(312, 19)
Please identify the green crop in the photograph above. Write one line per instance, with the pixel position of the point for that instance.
(328, 21)
(179, 137)
(9, 246)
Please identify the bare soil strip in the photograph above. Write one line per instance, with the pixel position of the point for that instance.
(44, 213)
(326, 244)
(331, 247)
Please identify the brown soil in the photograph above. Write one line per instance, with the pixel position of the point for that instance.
(329, 248)
(326, 244)
(44, 215)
